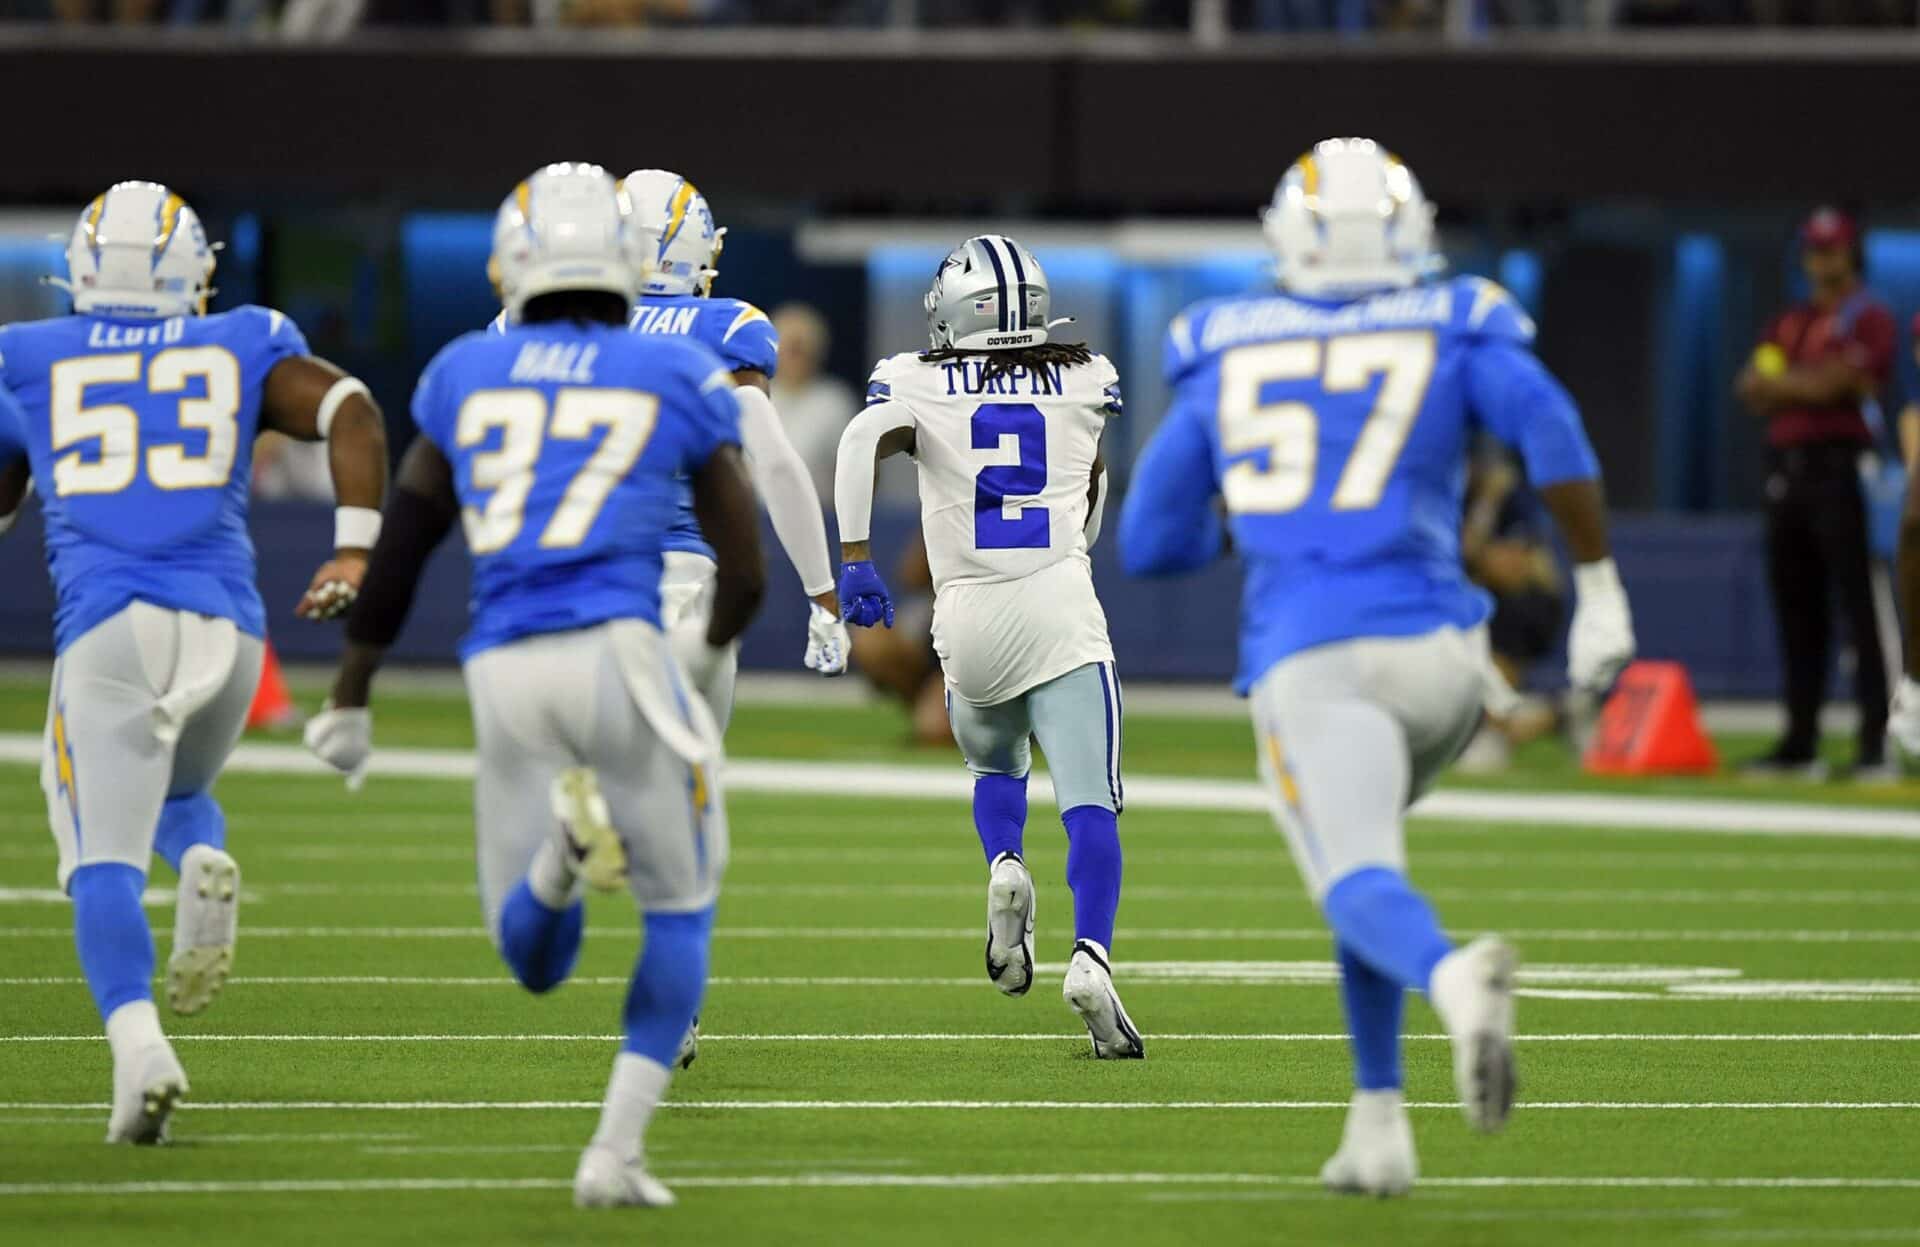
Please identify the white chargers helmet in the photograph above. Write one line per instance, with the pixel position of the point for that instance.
(677, 232)
(990, 294)
(138, 250)
(567, 227)
(1349, 218)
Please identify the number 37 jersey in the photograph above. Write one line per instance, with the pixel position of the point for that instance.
(140, 437)
(569, 444)
(1004, 466)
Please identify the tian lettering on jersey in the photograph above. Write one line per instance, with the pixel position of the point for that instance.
(140, 436)
(571, 448)
(1337, 433)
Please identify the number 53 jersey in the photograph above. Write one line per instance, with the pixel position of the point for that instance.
(140, 436)
(1005, 464)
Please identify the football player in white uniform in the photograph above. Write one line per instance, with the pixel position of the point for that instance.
(1005, 428)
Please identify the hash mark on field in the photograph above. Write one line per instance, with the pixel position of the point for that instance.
(957, 1181)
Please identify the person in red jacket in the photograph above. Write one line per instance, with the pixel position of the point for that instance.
(1815, 380)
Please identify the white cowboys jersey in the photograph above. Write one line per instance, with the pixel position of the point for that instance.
(1005, 465)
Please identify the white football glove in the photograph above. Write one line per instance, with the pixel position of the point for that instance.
(343, 739)
(827, 642)
(1904, 722)
(1600, 644)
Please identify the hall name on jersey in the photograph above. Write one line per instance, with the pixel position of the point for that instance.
(968, 376)
(567, 363)
(105, 335)
(1264, 319)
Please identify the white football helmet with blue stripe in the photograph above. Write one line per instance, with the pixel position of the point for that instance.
(676, 228)
(990, 295)
(139, 250)
(1349, 218)
(566, 227)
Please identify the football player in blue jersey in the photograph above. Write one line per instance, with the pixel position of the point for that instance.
(562, 445)
(1333, 417)
(135, 421)
(682, 244)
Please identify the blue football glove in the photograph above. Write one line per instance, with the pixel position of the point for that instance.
(864, 601)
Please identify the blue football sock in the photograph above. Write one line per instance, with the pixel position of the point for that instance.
(1093, 871)
(1000, 814)
(1373, 1004)
(185, 821)
(1386, 924)
(111, 933)
(538, 943)
(668, 983)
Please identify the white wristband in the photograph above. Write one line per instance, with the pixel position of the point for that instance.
(1599, 579)
(355, 528)
(341, 391)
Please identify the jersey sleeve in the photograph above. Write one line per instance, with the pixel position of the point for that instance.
(429, 406)
(1485, 310)
(1180, 353)
(880, 384)
(1515, 398)
(1111, 406)
(283, 339)
(750, 341)
(1872, 343)
(1168, 524)
(711, 407)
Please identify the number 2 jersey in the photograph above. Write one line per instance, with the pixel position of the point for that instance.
(140, 435)
(1337, 432)
(1004, 465)
(570, 446)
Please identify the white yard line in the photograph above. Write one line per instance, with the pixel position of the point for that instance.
(946, 1037)
(1062, 1106)
(951, 783)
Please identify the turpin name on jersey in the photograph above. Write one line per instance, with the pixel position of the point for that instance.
(968, 376)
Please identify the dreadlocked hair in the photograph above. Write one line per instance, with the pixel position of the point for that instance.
(999, 363)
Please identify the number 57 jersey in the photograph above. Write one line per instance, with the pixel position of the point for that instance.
(140, 436)
(1005, 464)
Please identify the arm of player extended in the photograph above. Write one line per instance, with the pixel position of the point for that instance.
(729, 520)
(1096, 499)
(880, 431)
(1520, 403)
(786, 489)
(311, 400)
(1168, 525)
(418, 516)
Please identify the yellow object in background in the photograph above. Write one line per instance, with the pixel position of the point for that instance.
(1769, 360)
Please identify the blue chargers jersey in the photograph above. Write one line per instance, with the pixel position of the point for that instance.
(1337, 433)
(735, 330)
(140, 436)
(570, 445)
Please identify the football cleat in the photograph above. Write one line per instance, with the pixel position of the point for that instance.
(206, 915)
(593, 848)
(1472, 990)
(1376, 1154)
(605, 1179)
(146, 1088)
(1010, 925)
(689, 1046)
(1089, 990)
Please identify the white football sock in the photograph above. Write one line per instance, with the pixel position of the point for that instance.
(551, 876)
(635, 1090)
(132, 1027)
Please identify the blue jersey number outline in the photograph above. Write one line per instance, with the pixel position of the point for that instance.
(1032, 528)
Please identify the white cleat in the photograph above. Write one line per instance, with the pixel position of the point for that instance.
(1089, 990)
(689, 1046)
(1472, 990)
(1010, 925)
(1376, 1154)
(605, 1179)
(146, 1087)
(206, 918)
(586, 828)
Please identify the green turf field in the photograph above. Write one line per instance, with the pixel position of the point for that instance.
(1720, 1033)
